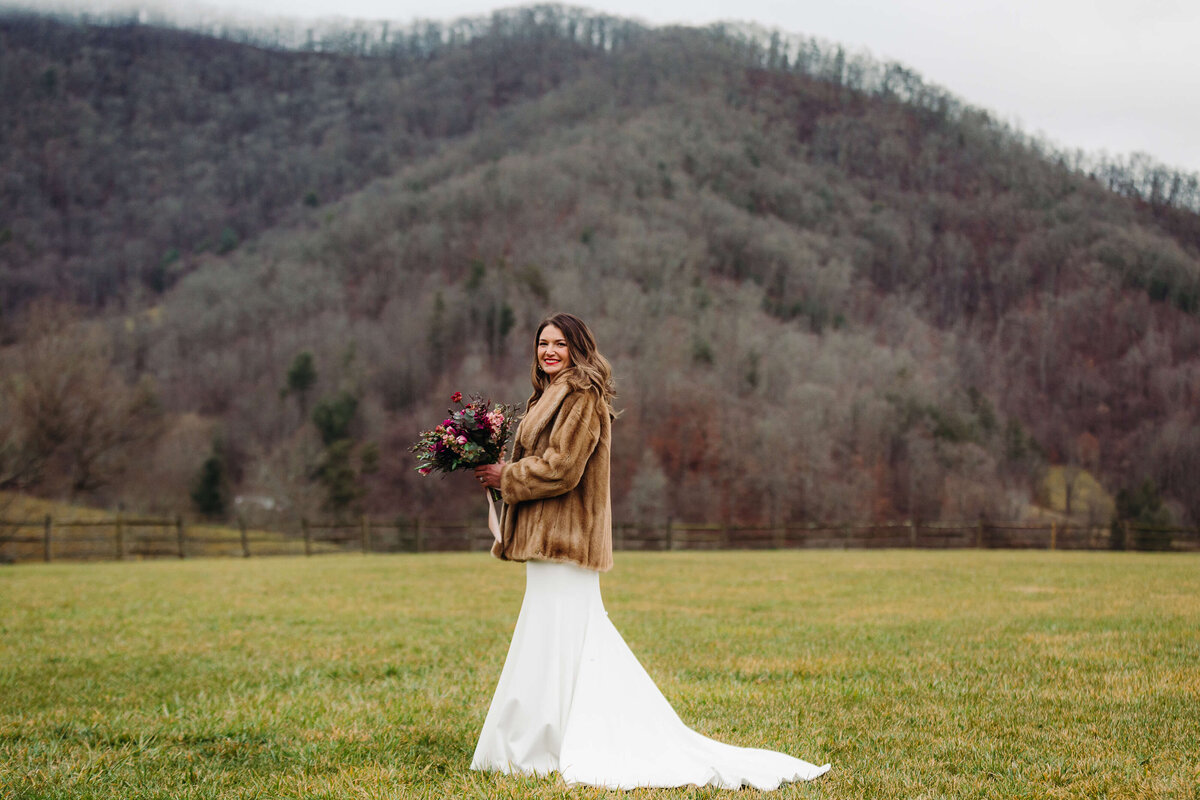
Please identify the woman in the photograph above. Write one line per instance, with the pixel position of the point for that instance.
(572, 698)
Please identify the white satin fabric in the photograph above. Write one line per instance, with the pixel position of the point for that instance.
(573, 698)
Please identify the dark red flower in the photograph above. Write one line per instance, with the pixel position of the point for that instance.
(456, 397)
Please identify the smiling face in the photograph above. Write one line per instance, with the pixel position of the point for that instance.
(553, 354)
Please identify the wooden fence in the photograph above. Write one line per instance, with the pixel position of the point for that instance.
(121, 537)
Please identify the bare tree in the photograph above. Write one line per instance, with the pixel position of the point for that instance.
(75, 420)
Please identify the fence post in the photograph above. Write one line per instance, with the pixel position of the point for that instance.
(179, 534)
(120, 537)
(1128, 540)
(366, 533)
(912, 532)
(245, 538)
(417, 537)
(1053, 534)
(670, 533)
(47, 537)
(307, 536)
(979, 534)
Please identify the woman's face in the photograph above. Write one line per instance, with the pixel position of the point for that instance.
(553, 355)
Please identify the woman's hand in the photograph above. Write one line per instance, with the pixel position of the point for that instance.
(489, 475)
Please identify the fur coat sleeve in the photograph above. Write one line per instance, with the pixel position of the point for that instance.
(556, 489)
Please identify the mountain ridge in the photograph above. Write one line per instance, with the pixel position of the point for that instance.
(821, 303)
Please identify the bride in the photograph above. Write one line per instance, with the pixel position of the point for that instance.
(572, 697)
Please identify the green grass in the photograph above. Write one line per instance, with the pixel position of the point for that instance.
(950, 674)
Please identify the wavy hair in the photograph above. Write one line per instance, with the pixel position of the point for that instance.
(589, 369)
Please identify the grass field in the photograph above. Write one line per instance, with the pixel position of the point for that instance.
(945, 674)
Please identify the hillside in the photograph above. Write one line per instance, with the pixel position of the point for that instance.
(131, 151)
(825, 297)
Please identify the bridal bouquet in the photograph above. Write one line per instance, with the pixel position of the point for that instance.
(475, 433)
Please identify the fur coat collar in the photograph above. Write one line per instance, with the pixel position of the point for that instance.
(539, 414)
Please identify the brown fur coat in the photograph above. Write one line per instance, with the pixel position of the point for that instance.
(556, 492)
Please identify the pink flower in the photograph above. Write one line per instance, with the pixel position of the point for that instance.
(462, 440)
(424, 470)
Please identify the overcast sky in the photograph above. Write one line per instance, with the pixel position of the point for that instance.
(1104, 75)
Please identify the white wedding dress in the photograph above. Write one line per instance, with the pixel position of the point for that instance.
(573, 698)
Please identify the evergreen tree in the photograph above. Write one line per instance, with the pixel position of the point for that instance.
(300, 379)
(334, 416)
(210, 491)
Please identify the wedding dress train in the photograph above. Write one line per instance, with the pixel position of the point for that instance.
(573, 698)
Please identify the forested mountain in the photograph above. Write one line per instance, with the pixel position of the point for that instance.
(829, 290)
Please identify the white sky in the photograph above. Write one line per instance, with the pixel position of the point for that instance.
(1104, 75)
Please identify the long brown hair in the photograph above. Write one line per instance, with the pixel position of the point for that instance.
(589, 369)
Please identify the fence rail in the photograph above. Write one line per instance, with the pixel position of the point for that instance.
(121, 537)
